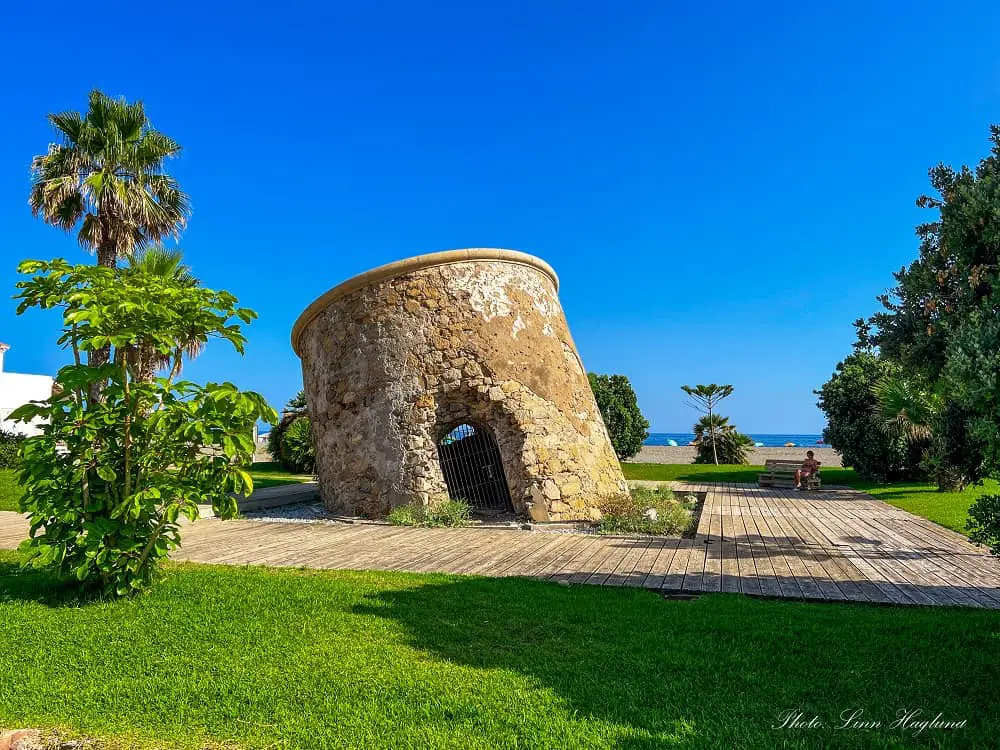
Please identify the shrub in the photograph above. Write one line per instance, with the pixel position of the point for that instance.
(439, 512)
(849, 402)
(984, 522)
(646, 511)
(121, 457)
(730, 446)
(298, 456)
(10, 443)
(275, 435)
(296, 452)
(619, 409)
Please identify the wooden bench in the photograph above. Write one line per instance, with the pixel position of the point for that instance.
(778, 473)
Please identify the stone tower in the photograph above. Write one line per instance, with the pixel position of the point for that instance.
(454, 374)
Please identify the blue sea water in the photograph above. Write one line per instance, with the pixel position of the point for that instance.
(768, 441)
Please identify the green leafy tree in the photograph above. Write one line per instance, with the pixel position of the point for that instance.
(904, 409)
(107, 480)
(619, 408)
(705, 398)
(717, 441)
(984, 522)
(907, 411)
(168, 264)
(972, 380)
(939, 320)
(849, 401)
(957, 271)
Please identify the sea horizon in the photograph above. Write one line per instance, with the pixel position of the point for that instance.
(761, 439)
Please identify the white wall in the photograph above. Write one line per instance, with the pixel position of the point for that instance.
(16, 390)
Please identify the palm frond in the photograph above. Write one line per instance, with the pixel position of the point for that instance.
(904, 409)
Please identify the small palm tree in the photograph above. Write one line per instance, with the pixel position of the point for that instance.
(107, 176)
(710, 427)
(161, 261)
(169, 265)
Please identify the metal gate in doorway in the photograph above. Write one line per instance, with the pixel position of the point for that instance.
(473, 470)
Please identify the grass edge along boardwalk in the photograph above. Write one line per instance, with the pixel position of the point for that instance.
(299, 659)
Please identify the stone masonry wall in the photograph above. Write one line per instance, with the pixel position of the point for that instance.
(391, 367)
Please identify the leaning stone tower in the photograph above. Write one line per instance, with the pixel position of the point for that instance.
(453, 374)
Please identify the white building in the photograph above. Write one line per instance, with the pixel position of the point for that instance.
(17, 389)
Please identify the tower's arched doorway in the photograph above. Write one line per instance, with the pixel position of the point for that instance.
(473, 470)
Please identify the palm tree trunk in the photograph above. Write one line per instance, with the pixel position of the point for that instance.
(950, 480)
(109, 260)
(711, 426)
(107, 255)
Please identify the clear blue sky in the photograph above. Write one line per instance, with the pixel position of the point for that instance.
(721, 189)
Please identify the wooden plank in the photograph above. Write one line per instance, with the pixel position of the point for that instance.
(547, 546)
(730, 567)
(617, 548)
(629, 560)
(560, 565)
(840, 544)
(714, 551)
(497, 557)
(658, 570)
(597, 555)
(673, 578)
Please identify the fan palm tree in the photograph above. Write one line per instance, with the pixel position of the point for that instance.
(169, 265)
(107, 176)
(709, 427)
(161, 261)
(903, 409)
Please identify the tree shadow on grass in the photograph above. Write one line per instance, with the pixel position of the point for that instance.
(715, 672)
(18, 583)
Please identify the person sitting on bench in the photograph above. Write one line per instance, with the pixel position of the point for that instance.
(810, 467)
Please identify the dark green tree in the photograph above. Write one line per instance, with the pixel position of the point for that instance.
(852, 409)
(956, 274)
(619, 407)
(940, 322)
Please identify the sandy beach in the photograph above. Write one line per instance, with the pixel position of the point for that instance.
(684, 454)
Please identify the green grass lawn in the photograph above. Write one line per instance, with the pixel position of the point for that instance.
(950, 509)
(264, 475)
(321, 659)
(270, 474)
(10, 490)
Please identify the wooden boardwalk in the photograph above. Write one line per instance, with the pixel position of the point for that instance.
(840, 545)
